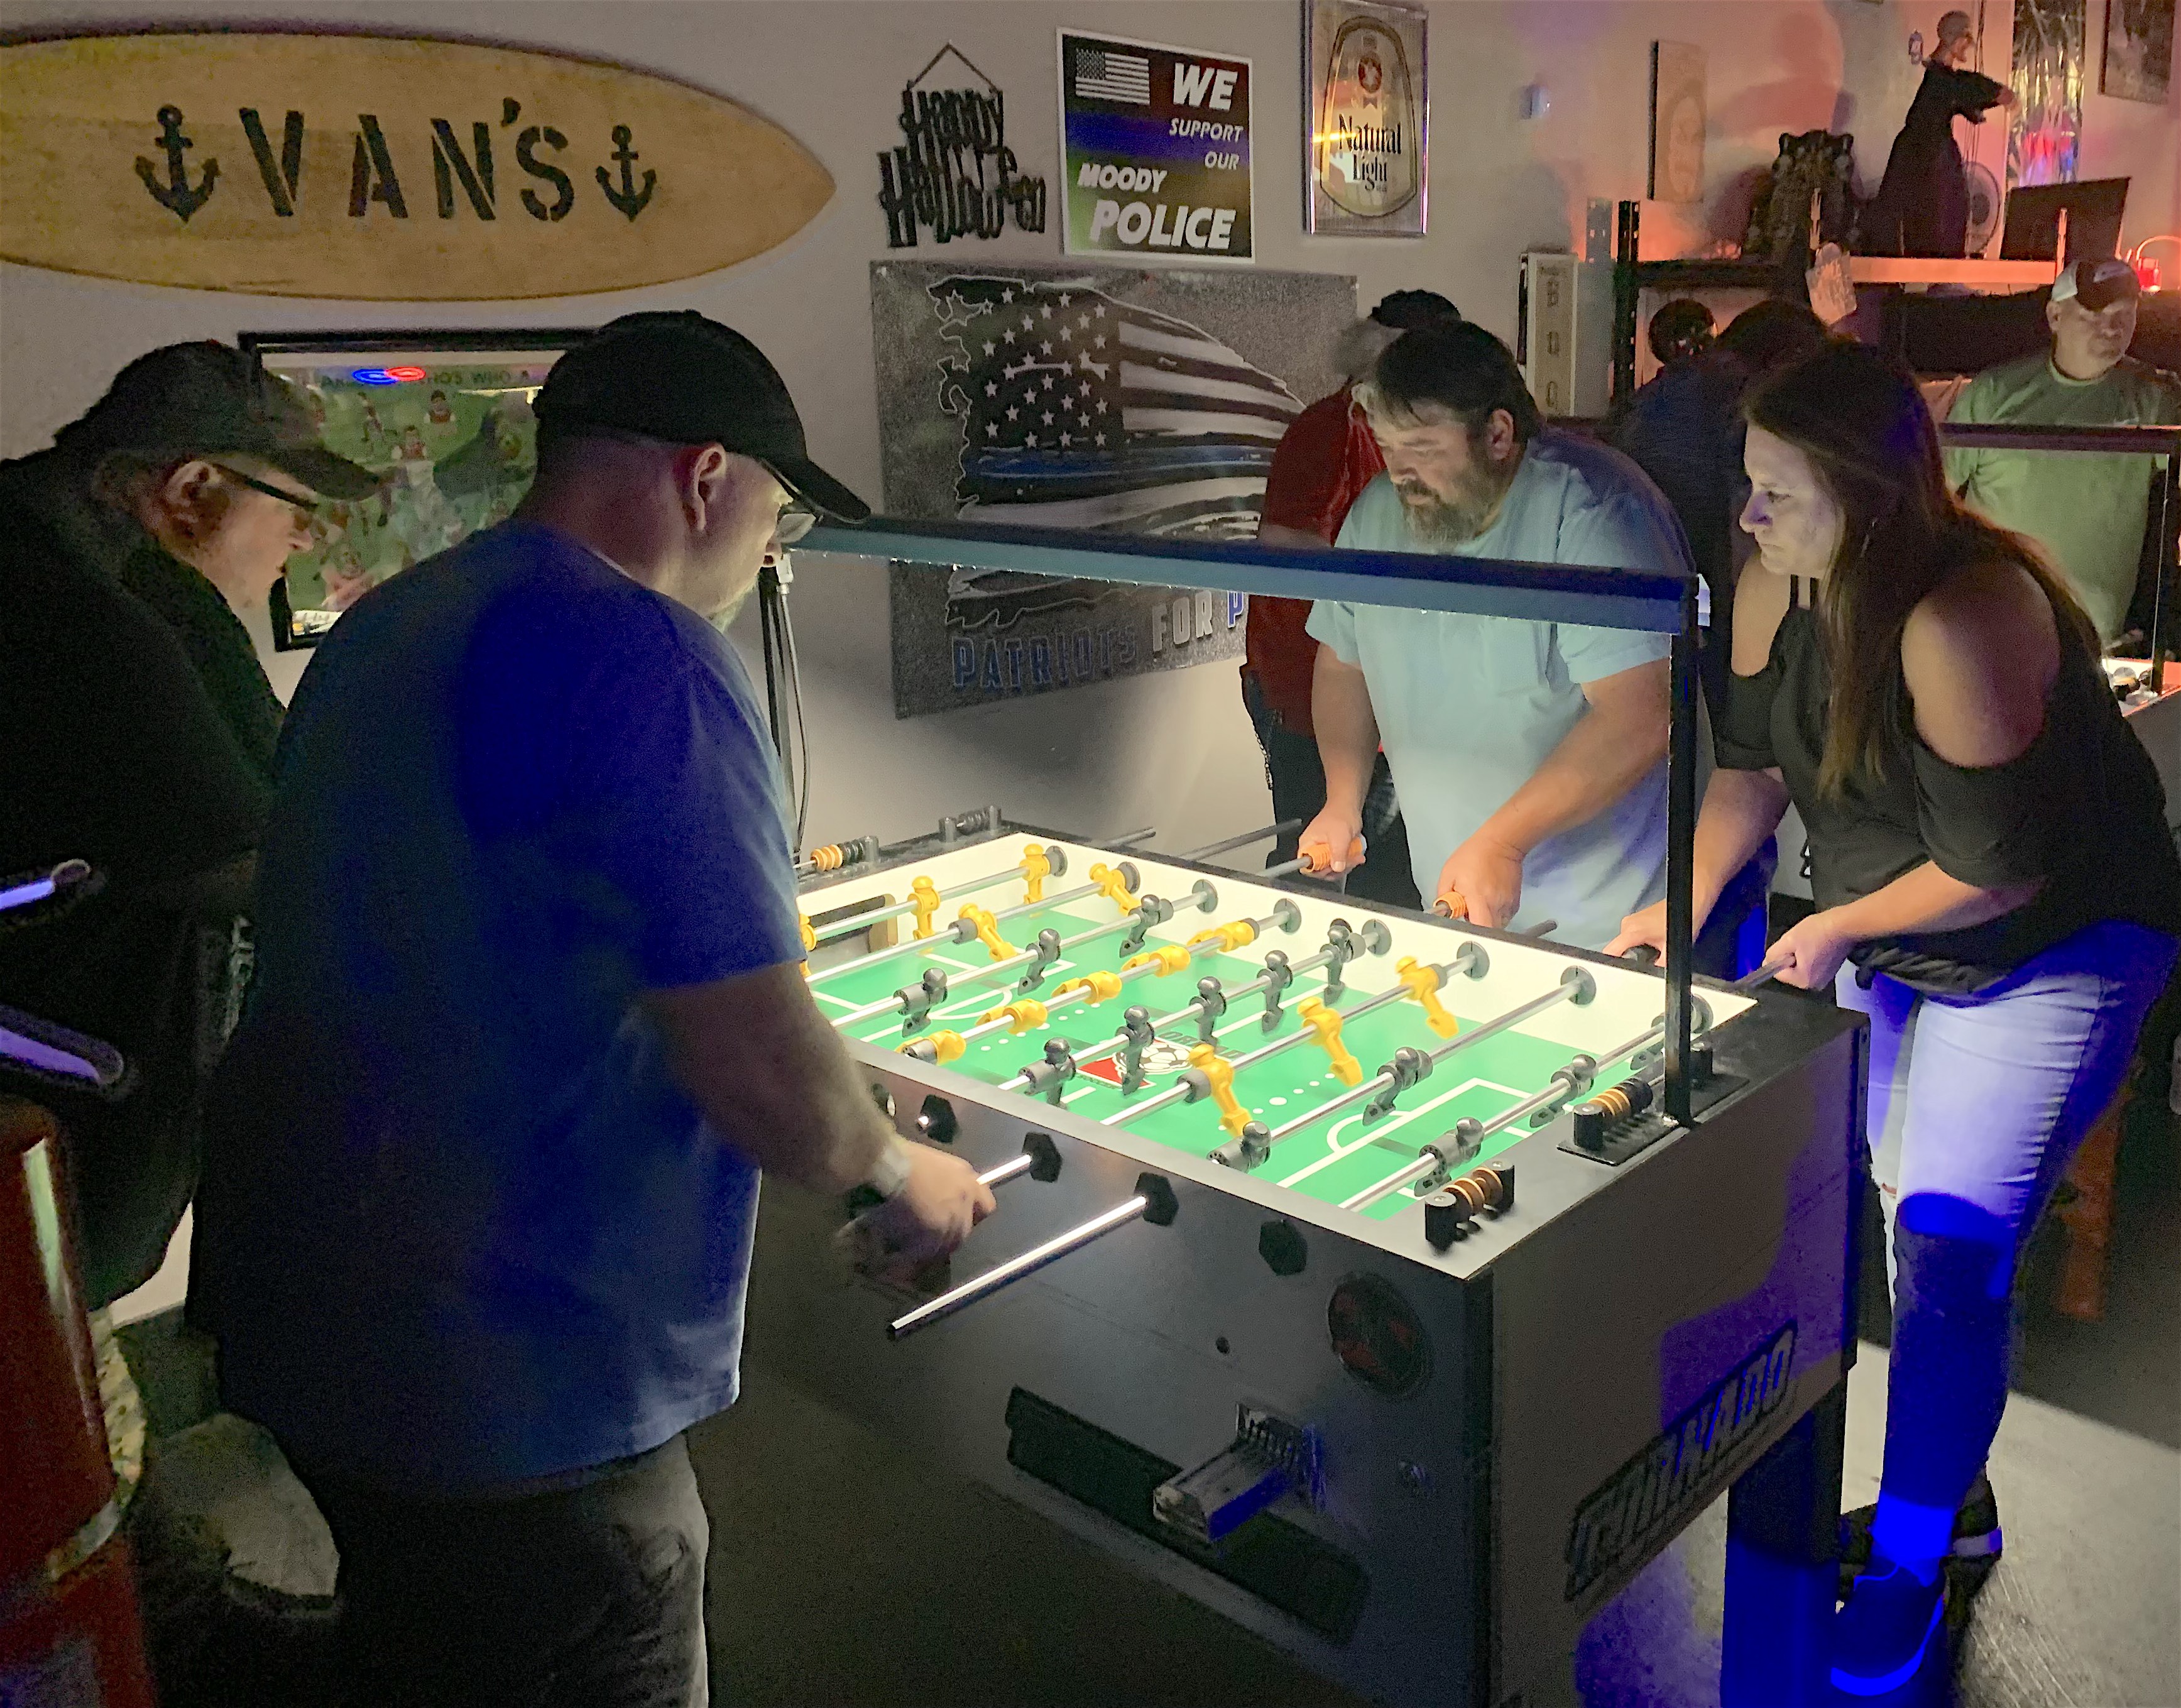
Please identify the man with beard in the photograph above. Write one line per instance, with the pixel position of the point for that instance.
(1529, 756)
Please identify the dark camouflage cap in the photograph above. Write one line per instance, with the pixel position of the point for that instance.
(205, 399)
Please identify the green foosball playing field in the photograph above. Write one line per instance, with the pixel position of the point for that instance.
(1329, 1158)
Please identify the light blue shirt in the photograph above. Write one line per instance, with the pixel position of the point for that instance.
(1470, 706)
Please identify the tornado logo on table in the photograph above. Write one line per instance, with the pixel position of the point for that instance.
(1155, 147)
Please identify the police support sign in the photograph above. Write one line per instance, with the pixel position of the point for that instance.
(1155, 150)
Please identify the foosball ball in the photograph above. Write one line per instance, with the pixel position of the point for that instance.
(1347, 1275)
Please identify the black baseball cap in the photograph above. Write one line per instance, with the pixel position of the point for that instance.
(209, 399)
(676, 376)
(1406, 310)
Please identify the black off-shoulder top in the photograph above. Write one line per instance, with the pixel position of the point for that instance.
(2081, 810)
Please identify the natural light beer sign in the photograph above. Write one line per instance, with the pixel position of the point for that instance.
(1364, 157)
(379, 168)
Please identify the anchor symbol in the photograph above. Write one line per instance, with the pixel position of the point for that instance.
(175, 195)
(628, 198)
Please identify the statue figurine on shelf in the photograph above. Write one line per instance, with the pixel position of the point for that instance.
(1923, 206)
(1817, 163)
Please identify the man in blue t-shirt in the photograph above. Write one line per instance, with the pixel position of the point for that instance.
(529, 1019)
(1529, 756)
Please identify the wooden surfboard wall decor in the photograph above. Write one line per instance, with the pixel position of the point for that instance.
(379, 168)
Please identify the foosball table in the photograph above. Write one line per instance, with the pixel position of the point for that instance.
(1343, 1274)
(1397, 1287)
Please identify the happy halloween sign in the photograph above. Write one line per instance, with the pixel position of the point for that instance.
(362, 167)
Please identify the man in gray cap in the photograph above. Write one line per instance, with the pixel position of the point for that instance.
(2088, 511)
(139, 738)
(475, 1221)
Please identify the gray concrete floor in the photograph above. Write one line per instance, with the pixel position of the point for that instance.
(844, 1572)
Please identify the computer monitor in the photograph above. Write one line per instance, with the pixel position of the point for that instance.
(2094, 209)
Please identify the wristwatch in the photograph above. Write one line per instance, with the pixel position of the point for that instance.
(890, 1174)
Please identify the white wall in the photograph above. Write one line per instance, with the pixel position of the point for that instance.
(1171, 749)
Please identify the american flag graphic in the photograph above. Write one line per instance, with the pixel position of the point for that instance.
(1103, 76)
(1079, 411)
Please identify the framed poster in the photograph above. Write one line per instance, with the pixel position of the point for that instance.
(1140, 400)
(1365, 167)
(2045, 129)
(2139, 57)
(444, 419)
(1154, 150)
(1677, 123)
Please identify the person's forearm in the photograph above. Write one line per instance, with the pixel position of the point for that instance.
(771, 1077)
(1347, 730)
(1925, 899)
(1596, 763)
(1741, 809)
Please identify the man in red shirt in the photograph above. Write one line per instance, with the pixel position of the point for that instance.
(1325, 459)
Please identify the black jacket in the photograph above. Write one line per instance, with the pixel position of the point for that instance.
(138, 737)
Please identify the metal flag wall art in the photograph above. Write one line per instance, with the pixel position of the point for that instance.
(380, 168)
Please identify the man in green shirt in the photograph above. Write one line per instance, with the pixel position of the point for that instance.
(2087, 510)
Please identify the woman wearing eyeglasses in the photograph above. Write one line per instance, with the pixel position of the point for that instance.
(1997, 890)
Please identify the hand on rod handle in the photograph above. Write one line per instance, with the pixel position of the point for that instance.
(1153, 1201)
(868, 1241)
(931, 1211)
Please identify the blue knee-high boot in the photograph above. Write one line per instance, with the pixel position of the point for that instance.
(1946, 1388)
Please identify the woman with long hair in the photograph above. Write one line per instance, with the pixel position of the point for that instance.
(1997, 889)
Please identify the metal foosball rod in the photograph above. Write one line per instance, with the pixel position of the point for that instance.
(834, 856)
(1408, 1066)
(1460, 1143)
(1153, 1201)
(1039, 861)
(834, 929)
(1149, 911)
(1119, 882)
(1343, 945)
(1631, 1096)
(1636, 1092)
(942, 1047)
(1169, 959)
(1034, 865)
(1228, 844)
(1469, 959)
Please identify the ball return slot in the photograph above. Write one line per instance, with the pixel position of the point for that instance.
(1268, 1458)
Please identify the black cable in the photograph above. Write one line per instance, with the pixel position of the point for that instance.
(783, 692)
(770, 609)
(802, 731)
